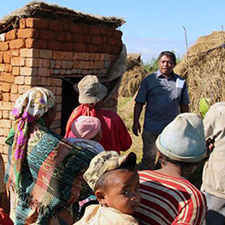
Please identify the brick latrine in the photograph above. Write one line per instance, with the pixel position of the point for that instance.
(43, 51)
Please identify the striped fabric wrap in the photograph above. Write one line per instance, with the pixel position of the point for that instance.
(51, 178)
(169, 200)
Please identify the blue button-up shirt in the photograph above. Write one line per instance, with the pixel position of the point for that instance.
(163, 97)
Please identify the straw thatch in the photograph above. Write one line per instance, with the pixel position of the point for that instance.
(204, 69)
(45, 10)
(133, 77)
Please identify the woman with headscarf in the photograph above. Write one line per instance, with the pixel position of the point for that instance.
(44, 173)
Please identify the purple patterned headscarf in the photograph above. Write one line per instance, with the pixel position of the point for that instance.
(28, 108)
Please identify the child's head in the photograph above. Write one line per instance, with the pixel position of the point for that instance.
(115, 180)
(87, 127)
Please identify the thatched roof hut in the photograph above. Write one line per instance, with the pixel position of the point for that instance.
(204, 69)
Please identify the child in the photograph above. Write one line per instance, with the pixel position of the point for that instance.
(115, 181)
(88, 129)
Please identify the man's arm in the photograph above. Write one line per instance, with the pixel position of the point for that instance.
(137, 112)
(184, 108)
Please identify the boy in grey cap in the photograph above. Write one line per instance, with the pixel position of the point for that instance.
(167, 197)
(115, 181)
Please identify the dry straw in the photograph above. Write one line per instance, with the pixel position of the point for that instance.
(205, 71)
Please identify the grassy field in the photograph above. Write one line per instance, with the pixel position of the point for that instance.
(125, 110)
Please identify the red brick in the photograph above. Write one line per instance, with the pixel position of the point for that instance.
(2, 67)
(11, 35)
(84, 56)
(15, 53)
(99, 57)
(92, 48)
(109, 32)
(1, 57)
(46, 54)
(29, 53)
(120, 43)
(95, 30)
(23, 89)
(116, 50)
(65, 25)
(8, 68)
(103, 31)
(7, 77)
(22, 23)
(104, 40)
(112, 41)
(5, 123)
(17, 61)
(67, 46)
(36, 81)
(68, 37)
(76, 56)
(6, 97)
(107, 49)
(87, 39)
(96, 40)
(37, 23)
(85, 29)
(79, 47)
(67, 55)
(75, 28)
(78, 38)
(14, 89)
(91, 65)
(4, 46)
(17, 44)
(54, 45)
(7, 57)
(99, 65)
(28, 80)
(28, 33)
(5, 115)
(47, 34)
(33, 62)
(58, 91)
(55, 25)
(44, 72)
(16, 71)
(6, 87)
(58, 64)
(117, 34)
(19, 80)
(28, 71)
(13, 97)
(33, 43)
(46, 63)
(57, 83)
(59, 36)
(67, 64)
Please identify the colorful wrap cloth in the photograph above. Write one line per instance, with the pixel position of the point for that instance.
(51, 178)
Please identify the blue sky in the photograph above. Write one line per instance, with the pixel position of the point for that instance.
(151, 26)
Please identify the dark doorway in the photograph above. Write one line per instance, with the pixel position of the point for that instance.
(69, 100)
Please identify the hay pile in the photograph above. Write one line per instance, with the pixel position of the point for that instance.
(133, 77)
(204, 69)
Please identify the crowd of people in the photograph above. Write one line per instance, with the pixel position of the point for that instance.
(84, 178)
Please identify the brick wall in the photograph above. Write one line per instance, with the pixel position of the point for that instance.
(40, 51)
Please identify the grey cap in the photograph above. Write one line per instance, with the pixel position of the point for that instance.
(183, 139)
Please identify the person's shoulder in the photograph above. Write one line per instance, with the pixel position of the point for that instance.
(178, 76)
(150, 76)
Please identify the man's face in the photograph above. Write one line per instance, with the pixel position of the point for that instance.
(123, 191)
(166, 65)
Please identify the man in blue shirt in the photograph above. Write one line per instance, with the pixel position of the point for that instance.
(166, 96)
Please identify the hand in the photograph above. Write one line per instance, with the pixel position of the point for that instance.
(136, 128)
